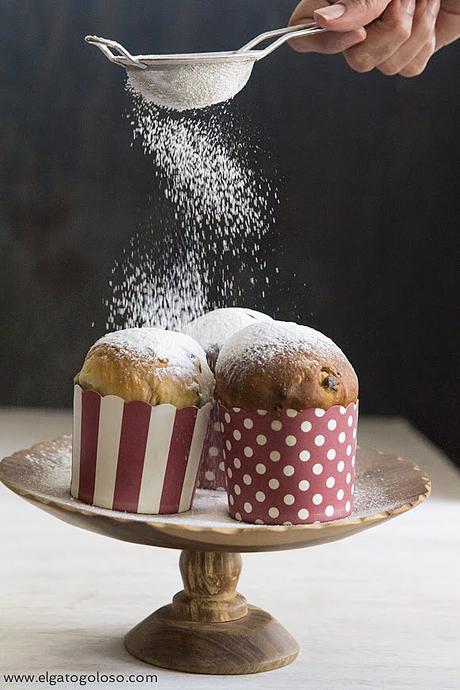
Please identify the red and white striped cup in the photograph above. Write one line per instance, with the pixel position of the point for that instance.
(291, 467)
(135, 457)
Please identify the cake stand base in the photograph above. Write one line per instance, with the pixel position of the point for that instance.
(251, 644)
(209, 627)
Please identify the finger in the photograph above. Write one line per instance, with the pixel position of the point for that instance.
(423, 25)
(329, 43)
(304, 11)
(418, 64)
(349, 14)
(448, 24)
(384, 37)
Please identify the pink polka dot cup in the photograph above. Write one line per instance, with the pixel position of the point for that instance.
(292, 467)
(212, 467)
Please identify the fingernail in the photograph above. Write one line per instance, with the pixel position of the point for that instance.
(331, 11)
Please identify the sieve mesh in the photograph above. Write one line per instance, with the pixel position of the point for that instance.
(190, 86)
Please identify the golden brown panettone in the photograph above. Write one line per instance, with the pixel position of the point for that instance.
(150, 365)
(212, 329)
(275, 365)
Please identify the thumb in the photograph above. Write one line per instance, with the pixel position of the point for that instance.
(348, 15)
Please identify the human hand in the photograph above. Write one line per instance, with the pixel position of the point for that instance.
(394, 36)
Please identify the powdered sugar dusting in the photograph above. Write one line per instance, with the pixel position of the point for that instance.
(384, 483)
(212, 329)
(259, 343)
(177, 351)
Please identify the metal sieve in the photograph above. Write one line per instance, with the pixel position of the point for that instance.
(195, 80)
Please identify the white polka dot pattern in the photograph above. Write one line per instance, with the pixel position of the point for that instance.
(290, 468)
(212, 473)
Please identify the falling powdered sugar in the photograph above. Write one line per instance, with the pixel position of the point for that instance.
(219, 206)
(157, 283)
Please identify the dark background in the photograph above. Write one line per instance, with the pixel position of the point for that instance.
(367, 226)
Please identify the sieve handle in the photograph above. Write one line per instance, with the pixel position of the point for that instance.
(284, 34)
(104, 44)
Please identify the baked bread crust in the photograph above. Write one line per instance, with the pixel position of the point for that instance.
(150, 365)
(278, 366)
(215, 327)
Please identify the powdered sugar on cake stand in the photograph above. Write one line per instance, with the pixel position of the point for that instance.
(385, 485)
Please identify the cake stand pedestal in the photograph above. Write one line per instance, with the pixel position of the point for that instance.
(209, 627)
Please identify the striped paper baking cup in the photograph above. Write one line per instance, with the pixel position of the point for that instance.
(291, 467)
(133, 456)
(212, 468)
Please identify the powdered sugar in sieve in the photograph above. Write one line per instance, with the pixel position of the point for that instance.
(190, 85)
(195, 80)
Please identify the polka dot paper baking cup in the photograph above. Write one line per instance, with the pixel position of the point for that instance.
(134, 456)
(292, 467)
(212, 469)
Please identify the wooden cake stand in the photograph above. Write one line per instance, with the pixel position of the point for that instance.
(209, 627)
